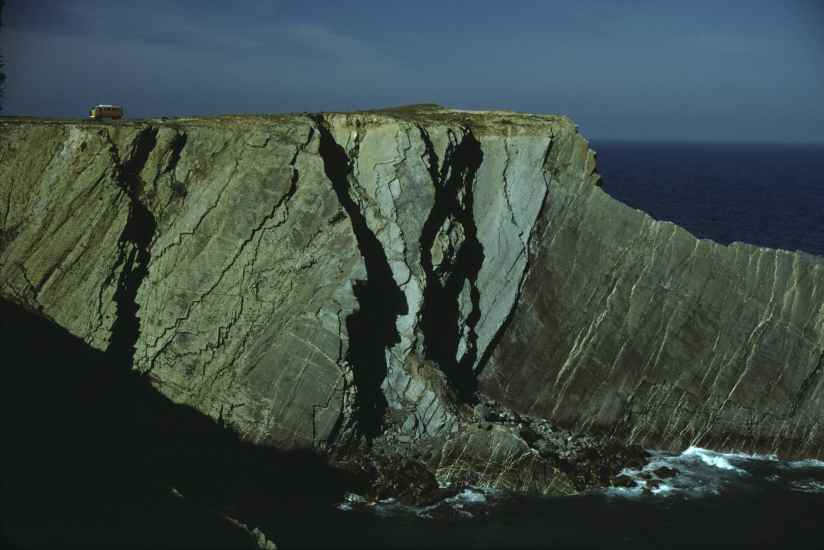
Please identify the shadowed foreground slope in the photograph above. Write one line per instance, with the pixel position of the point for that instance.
(91, 453)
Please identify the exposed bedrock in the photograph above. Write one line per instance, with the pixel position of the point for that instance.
(368, 280)
(633, 327)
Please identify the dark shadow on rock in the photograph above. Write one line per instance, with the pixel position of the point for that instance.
(91, 453)
(371, 327)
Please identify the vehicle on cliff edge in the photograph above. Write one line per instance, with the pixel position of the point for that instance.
(113, 112)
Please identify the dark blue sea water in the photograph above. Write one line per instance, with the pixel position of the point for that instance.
(769, 195)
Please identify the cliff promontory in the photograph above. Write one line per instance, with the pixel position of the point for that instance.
(452, 287)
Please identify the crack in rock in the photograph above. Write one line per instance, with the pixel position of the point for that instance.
(452, 264)
(371, 327)
(134, 249)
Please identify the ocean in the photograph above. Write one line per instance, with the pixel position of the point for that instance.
(768, 195)
(714, 500)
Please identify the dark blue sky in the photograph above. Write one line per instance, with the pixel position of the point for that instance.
(747, 70)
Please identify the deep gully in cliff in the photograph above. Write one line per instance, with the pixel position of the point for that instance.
(440, 312)
(371, 327)
(134, 252)
(176, 146)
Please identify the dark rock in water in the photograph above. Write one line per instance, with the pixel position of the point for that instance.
(623, 481)
(665, 472)
(597, 463)
(650, 485)
(406, 480)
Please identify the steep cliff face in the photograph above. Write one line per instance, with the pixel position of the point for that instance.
(323, 280)
(208, 257)
(632, 326)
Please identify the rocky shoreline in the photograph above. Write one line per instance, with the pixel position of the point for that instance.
(540, 460)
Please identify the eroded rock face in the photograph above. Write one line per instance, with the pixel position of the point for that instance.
(235, 296)
(634, 327)
(329, 281)
(63, 214)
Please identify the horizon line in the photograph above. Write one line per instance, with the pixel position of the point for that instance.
(693, 141)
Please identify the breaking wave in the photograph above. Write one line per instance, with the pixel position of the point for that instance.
(693, 474)
(700, 472)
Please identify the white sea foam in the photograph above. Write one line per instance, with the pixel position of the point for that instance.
(469, 495)
(755, 456)
(696, 472)
(806, 463)
(712, 458)
(701, 472)
(662, 489)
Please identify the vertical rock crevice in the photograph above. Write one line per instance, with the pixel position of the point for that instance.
(441, 321)
(134, 249)
(371, 328)
(177, 145)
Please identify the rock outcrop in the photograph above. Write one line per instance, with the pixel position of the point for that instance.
(633, 327)
(363, 280)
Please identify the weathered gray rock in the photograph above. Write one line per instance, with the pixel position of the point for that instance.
(62, 216)
(249, 284)
(245, 280)
(634, 327)
(328, 280)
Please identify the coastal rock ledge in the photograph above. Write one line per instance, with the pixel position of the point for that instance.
(425, 287)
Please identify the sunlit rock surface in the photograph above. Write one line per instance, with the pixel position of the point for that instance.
(634, 327)
(322, 281)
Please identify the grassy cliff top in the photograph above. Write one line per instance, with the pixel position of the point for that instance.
(482, 121)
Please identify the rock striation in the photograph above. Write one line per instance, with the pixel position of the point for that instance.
(632, 327)
(364, 282)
